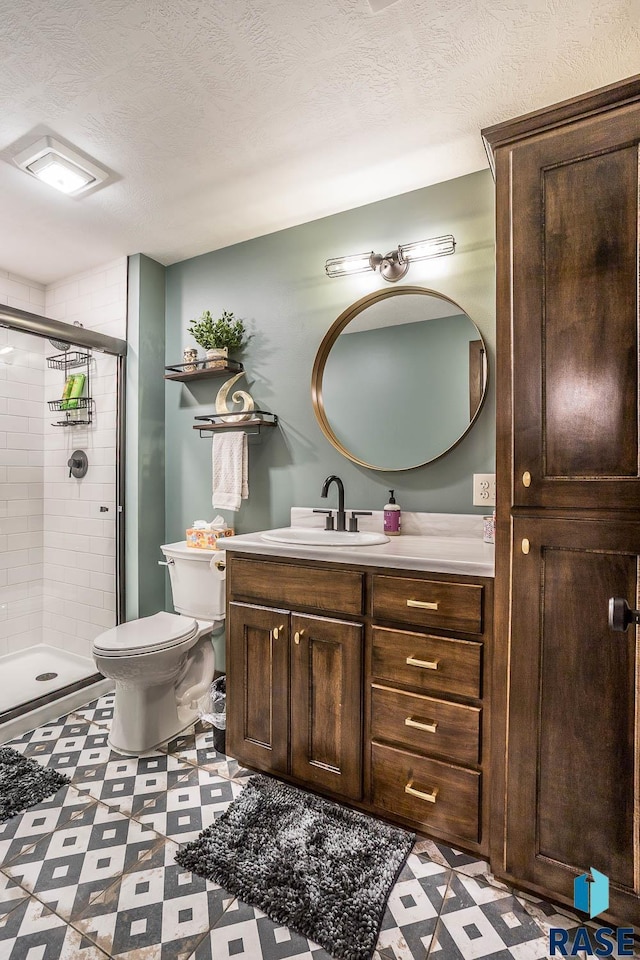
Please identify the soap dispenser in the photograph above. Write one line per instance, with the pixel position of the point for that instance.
(392, 517)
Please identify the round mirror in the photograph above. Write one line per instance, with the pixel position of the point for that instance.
(399, 379)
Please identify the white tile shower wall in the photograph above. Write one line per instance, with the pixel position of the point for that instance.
(79, 539)
(21, 472)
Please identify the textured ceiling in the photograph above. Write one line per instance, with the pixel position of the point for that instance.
(223, 121)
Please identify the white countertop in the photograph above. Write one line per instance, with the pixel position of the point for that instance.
(452, 550)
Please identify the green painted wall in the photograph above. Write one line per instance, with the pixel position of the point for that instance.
(278, 286)
(145, 445)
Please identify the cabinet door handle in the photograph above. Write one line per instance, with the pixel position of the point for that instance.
(276, 631)
(426, 664)
(429, 725)
(297, 636)
(525, 546)
(430, 797)
(423, 604)
(621, 616)
(526, 479)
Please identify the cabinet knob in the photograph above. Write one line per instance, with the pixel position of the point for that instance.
(276, 631)
(298, 635)
(526, 479)
(525, 546)
(430, 797)
(621, 616)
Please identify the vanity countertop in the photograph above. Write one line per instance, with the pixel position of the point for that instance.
(442, 548)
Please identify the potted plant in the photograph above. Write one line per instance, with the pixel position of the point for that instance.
(219, 336)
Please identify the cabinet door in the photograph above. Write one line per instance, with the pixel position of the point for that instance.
(574, 315)
(572, 768)
(326, 710)
(258, 686)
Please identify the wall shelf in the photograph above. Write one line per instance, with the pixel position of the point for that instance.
(203, 369)
(226, 421)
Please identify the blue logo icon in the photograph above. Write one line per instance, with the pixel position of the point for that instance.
(591, 892)
(591, 895)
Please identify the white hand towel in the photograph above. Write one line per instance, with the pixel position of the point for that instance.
(230, 470)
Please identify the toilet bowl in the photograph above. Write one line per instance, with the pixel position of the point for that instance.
(163, 665)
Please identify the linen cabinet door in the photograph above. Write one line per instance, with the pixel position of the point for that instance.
(326, 711)
(573, 291)
(258, 686)
(572, 768)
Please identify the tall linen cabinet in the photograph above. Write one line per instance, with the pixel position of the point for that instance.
(566, 788)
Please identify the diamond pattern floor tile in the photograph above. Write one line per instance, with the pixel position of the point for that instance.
(90, 872)
(33, 932)
(70, 867)
(155, 910)
(187, 808)
(246, 933)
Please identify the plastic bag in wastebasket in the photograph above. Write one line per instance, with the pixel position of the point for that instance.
(215, 711)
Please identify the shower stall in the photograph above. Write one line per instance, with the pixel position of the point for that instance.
(61, 512)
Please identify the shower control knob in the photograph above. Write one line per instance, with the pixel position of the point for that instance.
(78, 464)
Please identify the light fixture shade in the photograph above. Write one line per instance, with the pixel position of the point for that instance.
(60, 167)
(424, 249)
(358, 263)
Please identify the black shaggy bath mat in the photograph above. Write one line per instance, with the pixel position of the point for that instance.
(309, 864)
(24, 782)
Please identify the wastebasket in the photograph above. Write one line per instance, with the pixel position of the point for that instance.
(218, 716)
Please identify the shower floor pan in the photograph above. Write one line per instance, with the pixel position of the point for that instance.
(38, 675)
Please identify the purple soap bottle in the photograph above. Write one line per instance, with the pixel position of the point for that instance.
(392, 517)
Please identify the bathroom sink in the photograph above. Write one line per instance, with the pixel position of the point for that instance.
(324, 538)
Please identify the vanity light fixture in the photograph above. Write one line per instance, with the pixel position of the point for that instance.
(60, 166)
(392, 266)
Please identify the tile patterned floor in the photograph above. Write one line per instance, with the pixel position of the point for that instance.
(90, 873)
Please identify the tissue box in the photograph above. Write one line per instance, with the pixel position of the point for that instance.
(206, 539)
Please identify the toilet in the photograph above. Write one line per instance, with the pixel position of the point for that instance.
(164, 664)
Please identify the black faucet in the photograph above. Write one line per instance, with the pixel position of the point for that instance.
(341, 519)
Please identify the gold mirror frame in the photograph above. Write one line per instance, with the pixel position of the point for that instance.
(322, 355)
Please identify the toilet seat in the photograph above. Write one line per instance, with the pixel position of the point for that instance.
(147, 635)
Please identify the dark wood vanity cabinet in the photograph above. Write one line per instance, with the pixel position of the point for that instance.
(566, 739)
(294, 679)
(367, 685)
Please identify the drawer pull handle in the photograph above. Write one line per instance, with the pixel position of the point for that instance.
(276, 631)
(426, 664)
(297, 635)
(423, 604)
(430, 797)
(429, 725)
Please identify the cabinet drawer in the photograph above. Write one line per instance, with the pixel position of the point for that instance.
(429, 603)
(436, 727)
(438, 795)
(432, 664)
(280, 584)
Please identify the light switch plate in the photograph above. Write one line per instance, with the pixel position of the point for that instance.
(484, 489)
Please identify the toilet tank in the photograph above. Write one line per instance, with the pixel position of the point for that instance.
(197, 585)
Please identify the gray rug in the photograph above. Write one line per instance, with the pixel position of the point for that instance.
(309, 864)
(24, 782)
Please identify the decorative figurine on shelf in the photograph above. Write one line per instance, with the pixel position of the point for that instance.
(219, 336)
(190, 358)
(239, 396)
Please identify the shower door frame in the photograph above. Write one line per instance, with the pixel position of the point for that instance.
(13, 319)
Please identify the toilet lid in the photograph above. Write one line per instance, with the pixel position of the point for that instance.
(147, 635)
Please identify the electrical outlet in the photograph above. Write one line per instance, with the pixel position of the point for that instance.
(484, 489)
